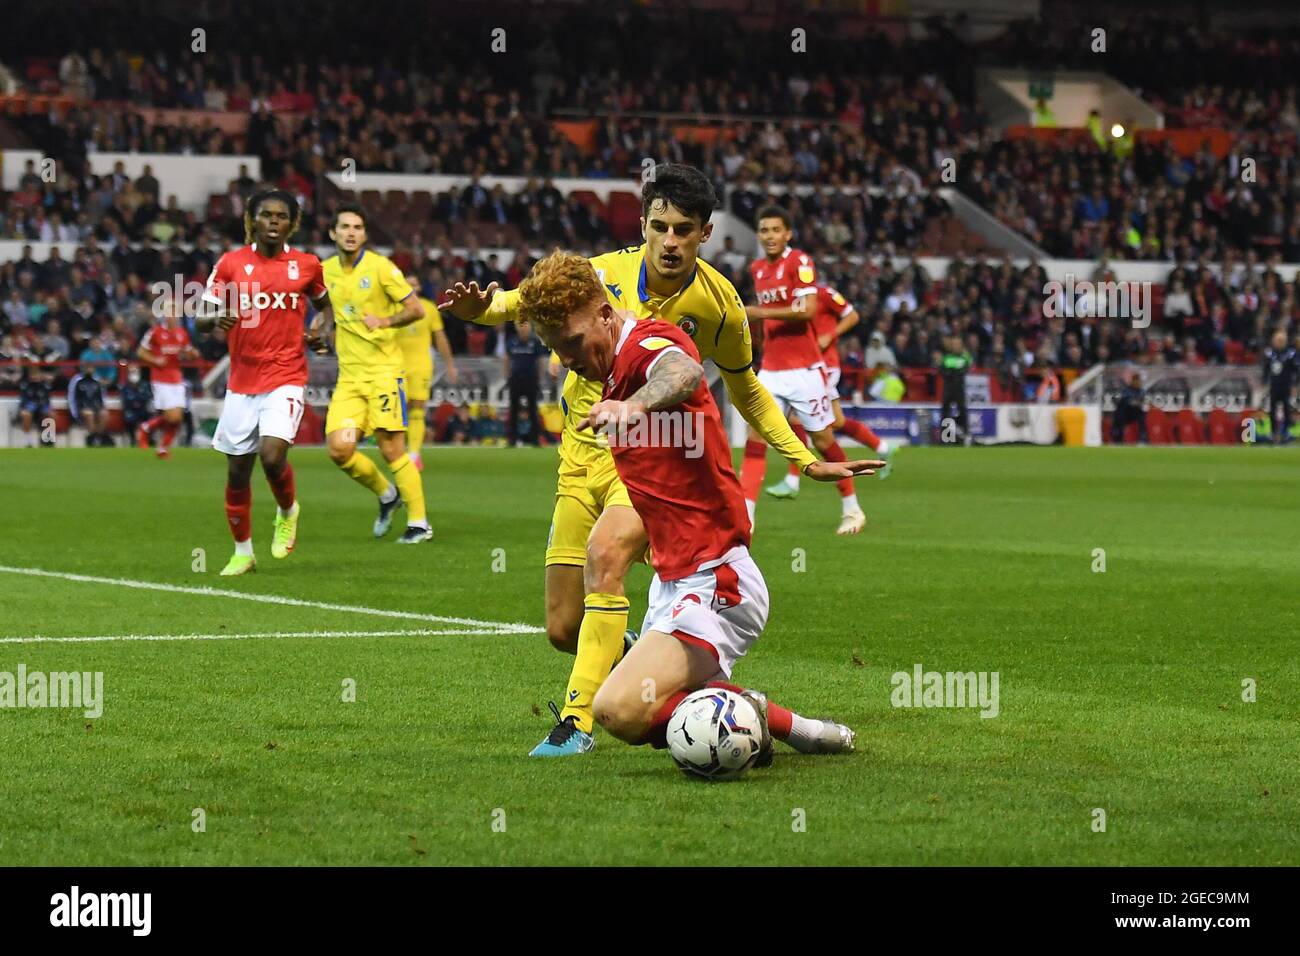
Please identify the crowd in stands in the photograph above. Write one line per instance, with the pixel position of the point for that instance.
(867, 112)
(850, 140)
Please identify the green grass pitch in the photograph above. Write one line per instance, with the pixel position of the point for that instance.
(1120, 690)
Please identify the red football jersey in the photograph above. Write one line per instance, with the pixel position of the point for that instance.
(831, 307)
(270, 296)
(167, 344)
(677, 468)
(787, 343)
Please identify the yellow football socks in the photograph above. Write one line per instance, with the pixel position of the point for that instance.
(600, 647)
(408, 483)
(365, 472)
(415, 431)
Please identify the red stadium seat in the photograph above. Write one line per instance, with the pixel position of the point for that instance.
(441, 416)
(624, 216)
(1189, 428)
(311, 430)
(919, 382)
(1225, 428)
(1159, 431)
(1234, 352)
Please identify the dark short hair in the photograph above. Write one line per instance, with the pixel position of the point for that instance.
(682, 186)
(775, 212)
(260, 197)
(256, 201)
(353, 207)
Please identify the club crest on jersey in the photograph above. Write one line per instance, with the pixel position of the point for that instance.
(293, 268)
(364, 283)
(681, 605)
(688, 325)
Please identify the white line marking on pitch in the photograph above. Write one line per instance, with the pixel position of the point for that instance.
(497, 627)
(420, 632)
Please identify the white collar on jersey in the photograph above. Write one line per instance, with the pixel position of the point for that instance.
(628, 326)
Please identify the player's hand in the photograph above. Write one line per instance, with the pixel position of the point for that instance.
(835, 470)
(467, 302)
(823, 342)
(374, 323)
(602, 413)
(453, 376)
(317, 335)
(227, 322)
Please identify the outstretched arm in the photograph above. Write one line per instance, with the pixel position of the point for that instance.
(487, 306)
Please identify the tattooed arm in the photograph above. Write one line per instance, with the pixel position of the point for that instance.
(673, 379)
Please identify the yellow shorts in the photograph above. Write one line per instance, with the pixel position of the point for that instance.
(366, 406)
(588, 484)
(419, 384)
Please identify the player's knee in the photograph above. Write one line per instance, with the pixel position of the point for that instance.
(823, 439)
(273, 460)
(620, 717)
(608, 559)
(563, 636)
(340, 452)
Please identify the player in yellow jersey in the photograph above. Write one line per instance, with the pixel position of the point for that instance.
(372, 301)
(596, 535)
(417, 341)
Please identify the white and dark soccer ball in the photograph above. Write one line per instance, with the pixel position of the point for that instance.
(714, 733)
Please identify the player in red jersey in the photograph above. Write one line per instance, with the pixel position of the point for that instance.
(258, 294)
(792, 363)
(164, 347)
(708, 601)
(833, 317)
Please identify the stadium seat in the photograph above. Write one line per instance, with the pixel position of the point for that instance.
(1189, 428)
(624, 216)
(919, 382)
(476, 341)
(1159, 430)
(441, 416)
(311, 430)
(1225, 428)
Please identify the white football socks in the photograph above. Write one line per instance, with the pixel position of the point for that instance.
(849, 504)
(804, 733)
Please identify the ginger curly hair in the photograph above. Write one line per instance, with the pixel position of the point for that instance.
(559, 285)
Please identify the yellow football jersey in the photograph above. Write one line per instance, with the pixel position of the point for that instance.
(416, 339)
(706, 308)
(373, 286)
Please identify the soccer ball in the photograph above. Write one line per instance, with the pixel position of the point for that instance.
(715, 733)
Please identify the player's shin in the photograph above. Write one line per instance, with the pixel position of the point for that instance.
(283, 486)
(848, 495)
(860, 433)
(239, 511)
(656, 734)
(407, 479)
(804, 734)
(600, 645)
(752, 470)
(365, 473)
(415, 430)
